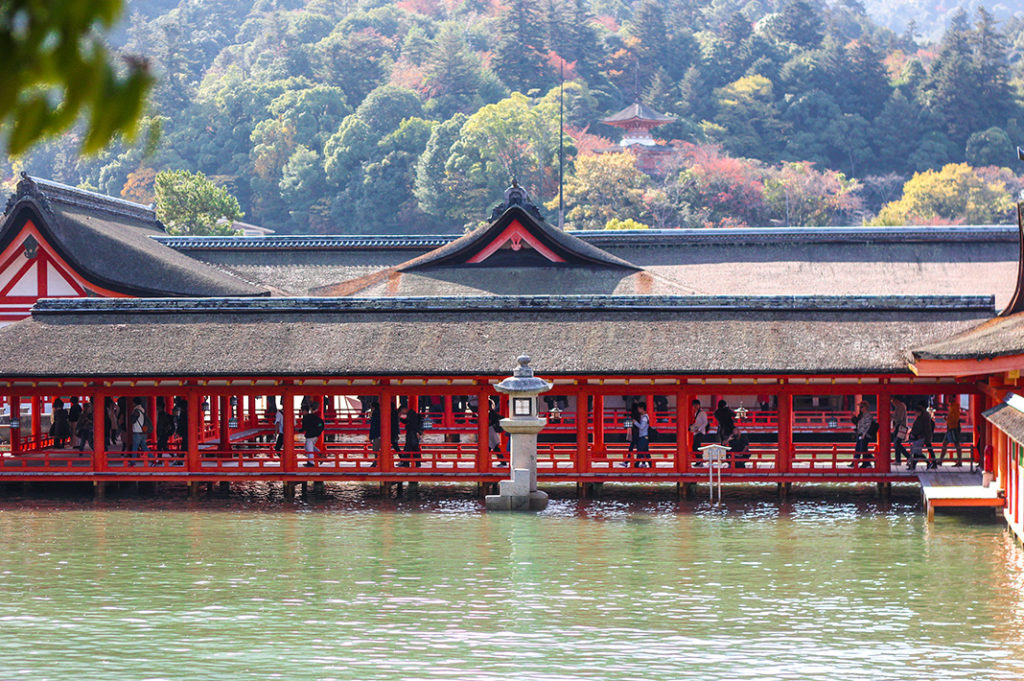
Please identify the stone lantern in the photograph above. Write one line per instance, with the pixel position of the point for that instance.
(520, 493)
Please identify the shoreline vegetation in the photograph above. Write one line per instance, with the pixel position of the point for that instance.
(324, 116)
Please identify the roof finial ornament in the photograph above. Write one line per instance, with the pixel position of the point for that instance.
(1017, 302)
(516, 196)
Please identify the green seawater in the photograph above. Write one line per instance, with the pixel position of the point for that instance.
(831, 585)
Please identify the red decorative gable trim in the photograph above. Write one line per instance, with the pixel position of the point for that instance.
(515, 234)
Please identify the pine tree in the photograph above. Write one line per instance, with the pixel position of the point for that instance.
(952, 90)
(991, 64)
(520, 55)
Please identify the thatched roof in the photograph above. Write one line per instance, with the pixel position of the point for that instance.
(997, 337)
(623, 335)
(1008, 416)
(108, 242)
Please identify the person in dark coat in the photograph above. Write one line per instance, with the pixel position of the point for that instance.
(413, 430)
(726, 420)
(921, 434)
(494, 432)
(164, 425)
(374, 435)
(739, 448)
(60, 429)
(84, 429)
(181, 421)
(74, 413)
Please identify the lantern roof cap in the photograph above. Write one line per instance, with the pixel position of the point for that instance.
(522, 380)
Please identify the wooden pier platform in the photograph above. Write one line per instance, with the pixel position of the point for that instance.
(956, 489)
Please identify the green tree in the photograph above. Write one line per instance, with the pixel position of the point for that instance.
(957, 194)
(430, 169)
(990, 147)
(603, 187)
(190, 204)
(799, 194)
(512, 138)
(54, 67)
(452, 75)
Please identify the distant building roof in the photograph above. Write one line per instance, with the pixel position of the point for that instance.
(107, 241)
(637, 111)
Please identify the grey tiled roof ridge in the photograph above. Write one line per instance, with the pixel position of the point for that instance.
(258, 305)
(67, 195)
(652, 237)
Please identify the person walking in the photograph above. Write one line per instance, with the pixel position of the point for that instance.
(279, 427)
(634, 434)
(413, 430)
(138, 424)
(312, 427)
(899, 429)
(84, 428)
(862, 423)
(699, 430)
(952, 435)
(921, 434)
(643, 436)
(74, 413)
(60, 429)
(494, 432)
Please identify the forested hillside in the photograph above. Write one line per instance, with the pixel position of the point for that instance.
(378, 116)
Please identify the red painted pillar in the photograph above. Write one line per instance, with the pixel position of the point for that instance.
(978, 426)
(599, 422)
(224, 429)
(289, 464)
(15, 401)
(448, 420)
(582, 462)
(99, 432)
(387, 406)
(504, 410)
(196, 426)
(784, 462)
(683, 435)
(151, 410)
(483, 454)
(37, 419)
(883, 456)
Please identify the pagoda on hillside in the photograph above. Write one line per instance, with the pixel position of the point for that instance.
(637, 120)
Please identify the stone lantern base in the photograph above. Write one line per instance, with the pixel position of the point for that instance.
(515, 494)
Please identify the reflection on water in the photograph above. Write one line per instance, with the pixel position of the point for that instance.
(635, 586)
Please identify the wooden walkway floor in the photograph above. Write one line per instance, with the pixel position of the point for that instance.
(956, 489)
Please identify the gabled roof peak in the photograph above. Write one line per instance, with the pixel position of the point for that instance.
(516, 237)
(47, 191)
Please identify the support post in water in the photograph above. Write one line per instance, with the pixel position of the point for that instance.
(520, 493)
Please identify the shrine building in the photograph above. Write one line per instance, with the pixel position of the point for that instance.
(790, 328)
